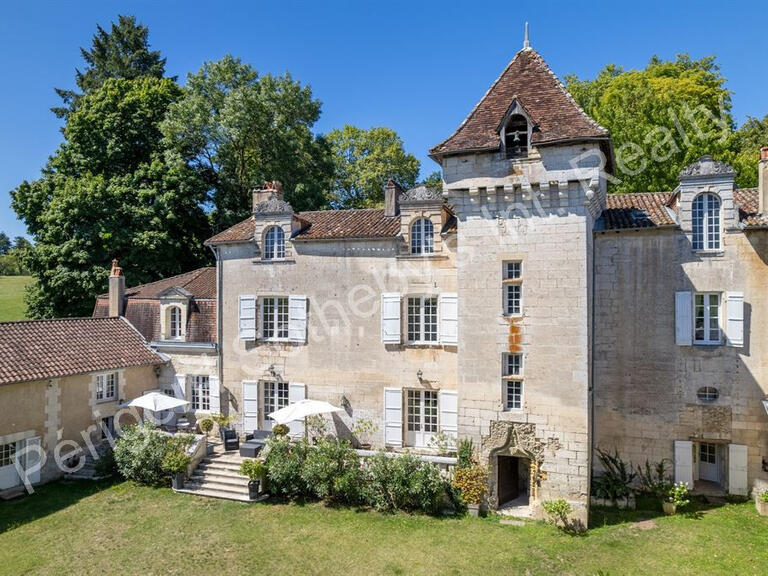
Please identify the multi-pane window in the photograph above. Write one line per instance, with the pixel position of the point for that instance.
(275, 397)
(106, 386)
(7, 452)
(422, 236)
(421, 416)
(706, 222)
(513, 288)
(201, 392)
(708, 453)
(512, 381)
(274, 317)
(274, 244)
(706, 318)
(422, 319)
(174, 322)
(707, 394)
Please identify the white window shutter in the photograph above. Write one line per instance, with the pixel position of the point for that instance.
(297, 318)
(250, 409)
(449, 414)
(247, 317)
(683, 319)
(684, 462)
(393, 417)
(390, 318)
(215, 394)
(180, 391)
(449, 318)
(296, 391)
(734, 325)
(737, 469)
(33, 459)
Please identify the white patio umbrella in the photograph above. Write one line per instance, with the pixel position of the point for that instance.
(302, 409)
(155, 401)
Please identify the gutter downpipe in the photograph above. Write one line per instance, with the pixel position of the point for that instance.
(219, 323)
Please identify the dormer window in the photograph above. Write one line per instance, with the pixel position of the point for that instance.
(422, 236)
(274, 244)
(516, 136)
(174, 322)
(706, 222)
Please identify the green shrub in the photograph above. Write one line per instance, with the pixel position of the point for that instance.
(285, 462)
(558, 511)
(764, 496)
(616, 478)
(140, 452)
(206, 425)
(363, 430)
(678, 495)
(465, 453)
(105, 465)
(655, 479)
(254, 469)
(175, 461)
(280, 430)
(405, 483)
(332, 472)
(472, 482)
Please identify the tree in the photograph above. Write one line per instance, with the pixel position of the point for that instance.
(5, 243)
(238, 129)
(745, 144)
(434, 180)
(363, 162)
(661, 118)
(111, 190)
(123, 52)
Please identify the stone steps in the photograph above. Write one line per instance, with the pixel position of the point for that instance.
(218, 476)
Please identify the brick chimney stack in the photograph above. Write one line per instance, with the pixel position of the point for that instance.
(116, 290)
(267, 191)
(762, 179)
(392, 192)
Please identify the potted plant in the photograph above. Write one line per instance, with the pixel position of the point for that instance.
(256, 472)
(206, 425)
(677, 498)
(175, 463)
(472, 483)
(762, 503)
(362, 430)
(280, 430)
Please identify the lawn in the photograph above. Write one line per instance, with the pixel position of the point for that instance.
(96, 528)
(12, 305)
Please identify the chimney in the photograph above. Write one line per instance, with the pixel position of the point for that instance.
(392, 192)
(116, 290)
(267, 191)
(762, 179)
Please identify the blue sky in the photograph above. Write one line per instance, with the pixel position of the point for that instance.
(417, 67)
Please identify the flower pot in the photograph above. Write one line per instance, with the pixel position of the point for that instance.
(177, 481)
(762, 507)
(474, 510)
(669, 508)
(209, 448)
(253, 489)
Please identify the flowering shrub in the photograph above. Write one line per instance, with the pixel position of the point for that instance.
(141, 451)
(678, 495)
(472, 483)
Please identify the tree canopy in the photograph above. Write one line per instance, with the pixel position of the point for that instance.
(5, 243)
(745, 144)
(363, 162)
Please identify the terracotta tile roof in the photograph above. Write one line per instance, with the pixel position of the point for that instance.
(645, 210)
(42, 349)
(240, 232)
(748, 200)
(201, 283)
(527, 78)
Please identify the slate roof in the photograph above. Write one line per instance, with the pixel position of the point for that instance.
(43, 349)
(555, 114)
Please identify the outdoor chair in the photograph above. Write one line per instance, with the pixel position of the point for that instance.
(229, 439)
(254, 443)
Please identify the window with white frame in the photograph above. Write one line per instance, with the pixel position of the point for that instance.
(174, 322)
(106, 387)
(706, 318)
(512, 381)
(200, 389)
(422, 236)
(422, 320)
(274, 317)
(7, 453)
(706, 222)
(421, 416)
(513, 288)
(275, 395)
(274, 244)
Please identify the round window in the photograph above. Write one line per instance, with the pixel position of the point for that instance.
(707, 394)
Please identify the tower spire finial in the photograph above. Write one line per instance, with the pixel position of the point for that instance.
(526, 42)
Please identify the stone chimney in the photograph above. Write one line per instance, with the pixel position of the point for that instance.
(268, 190)
(392, 193)
(116, 290)
(762, 179)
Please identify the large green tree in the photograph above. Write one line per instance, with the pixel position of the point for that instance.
(363, 162)
(661, 118)
(745, 144)
(121, 52)
(5, 243)
(111, 190)
(238, 129)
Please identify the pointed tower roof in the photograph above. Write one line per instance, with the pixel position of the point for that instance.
(555, 115)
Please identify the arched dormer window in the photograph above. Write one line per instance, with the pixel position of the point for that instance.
(174, 322)
(706, 222)
(422, 236)
(274, 244)
(516, 136)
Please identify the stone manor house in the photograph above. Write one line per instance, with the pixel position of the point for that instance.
(522, 307)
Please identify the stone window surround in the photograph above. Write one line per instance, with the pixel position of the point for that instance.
(416, 233)
(516, 281)
(704, 224)
(110, 405)
(165, 318)
(105, 375)
(262, 310)
(277, 247)
(507, 377)
(422, 324)
(707, 317)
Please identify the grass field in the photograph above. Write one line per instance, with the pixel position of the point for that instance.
(100, 528)
(12, 305)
